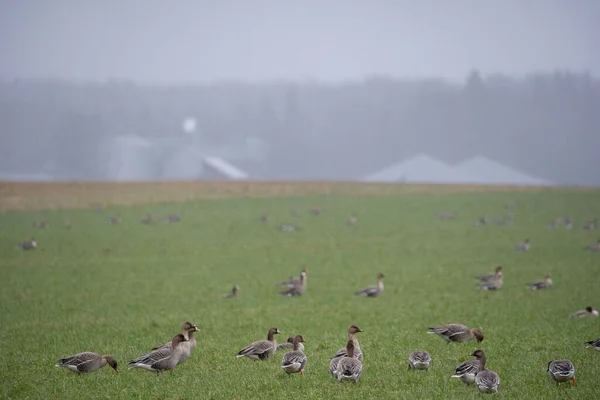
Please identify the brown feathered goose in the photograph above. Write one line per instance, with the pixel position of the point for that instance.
(299, 287)
(187, 330)
(545, 284)
(261, 349)
(30, 244)
(295, 361)
(486, 381)
(162, 359)
(234, 291)
(456, 333)
(86, 362)
(352, 331)
(349, 366)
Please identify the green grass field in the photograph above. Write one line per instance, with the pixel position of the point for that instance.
(121, 289)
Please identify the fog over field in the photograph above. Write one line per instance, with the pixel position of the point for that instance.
(326, 90)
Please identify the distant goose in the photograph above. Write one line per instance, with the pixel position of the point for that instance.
(148, 219)
(172, 218)
(86, 362)
(114, 220)
(372, 291)
(289, 345)
(524, 246)
(349, 367)
(593, 344)
(264, 218)
(562, 371)
(588, 312)
(352, 221)
(41, 224)
(419, 360)
(234, 291)
(481, 221)
(490, 277)
(594, 248)
(299, 287)
(445, 215)
(261, 349)
(545, 284)
(466, 371)
(30, 244)
(591, 225)
(292, 281)
(456, 333)
(486, 381)
(568, 223)
(295, 361)
(493, 284)
(162, 359)
(317, 211)
(288, 228)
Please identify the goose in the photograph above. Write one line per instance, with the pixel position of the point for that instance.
(591, 225)
(419, 360)
(445, 215)
(162, 359)
(86, 362)
(41, 224)
(466, 371)
(494, 283)
(148, 219)
(562, 371)
(264, 218)
(289, 345)
(588, 312)
(524, 246)
(233, 293)
(288, 228)
(372, 291)
(30, 244)
(114, 220)
(261, 349)
(352, 331)
(490, 277)
(352, 221)
(349, 367)
(172, 218)
(593, 344)
(486, 381)
(295, 361)
(187, 330)
(594, 248)
(292, 281)
(299, 287)
(545, 284)
(456, 333)
(481, 221)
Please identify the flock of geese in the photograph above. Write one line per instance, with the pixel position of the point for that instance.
(347, 362)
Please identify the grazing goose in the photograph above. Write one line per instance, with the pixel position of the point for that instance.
(486, 381)
(456, 333)
(419, 360)
(289, 345)
(114, 220)
(352, 331)
(292, 281)
(233, 293)
(261, 349)
(594, 248)
(545, 284)
(187, 330)
(148, 219)
(593, 344)
(372, 291)
(299, 287)
(466, 371)
(172, 218)
(162, 359)
(86, 362)
(588, 312)
(524, 246)
(349, 367)
(562, 371)
(481, 221)
(490, 277)
(295, 360)
(264, 218)
(30, 244)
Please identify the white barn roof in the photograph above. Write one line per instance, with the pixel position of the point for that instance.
(421, 169)
(491, 172)
(225, 168)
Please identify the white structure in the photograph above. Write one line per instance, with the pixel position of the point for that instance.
(421, 169)
(132, 159)
(491, 172)
(224, 169)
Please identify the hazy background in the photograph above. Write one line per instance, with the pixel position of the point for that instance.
(325, 89)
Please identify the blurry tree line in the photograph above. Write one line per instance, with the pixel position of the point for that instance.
(545, 125)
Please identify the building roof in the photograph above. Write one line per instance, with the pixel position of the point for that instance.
(491, 172)
(421, 169)
(224, 168)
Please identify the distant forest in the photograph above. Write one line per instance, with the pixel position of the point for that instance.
(546, 125)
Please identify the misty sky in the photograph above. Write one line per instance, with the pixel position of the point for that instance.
(198, 41)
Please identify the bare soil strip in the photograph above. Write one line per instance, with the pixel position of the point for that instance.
(70, 195)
